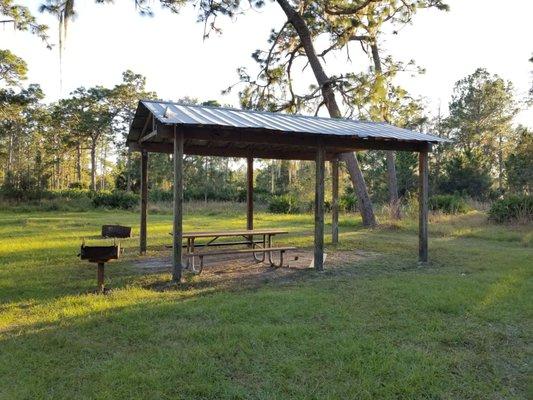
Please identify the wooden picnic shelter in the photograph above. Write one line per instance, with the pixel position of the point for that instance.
(179, 129)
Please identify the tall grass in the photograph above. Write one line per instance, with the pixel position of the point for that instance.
(202, 207)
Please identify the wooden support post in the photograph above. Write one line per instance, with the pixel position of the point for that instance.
(319, 208)
(335, 201)
(250, 193)
(100, 278)
(423, 192)
(144, 201)
(178, 206)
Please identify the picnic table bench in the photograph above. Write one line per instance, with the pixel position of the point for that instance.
(262, 245)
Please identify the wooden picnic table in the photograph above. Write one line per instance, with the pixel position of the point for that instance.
(247, 235)
(234, 233)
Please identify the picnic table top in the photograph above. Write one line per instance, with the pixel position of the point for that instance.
(244, 232)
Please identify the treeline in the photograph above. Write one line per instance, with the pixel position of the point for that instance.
(71, 143)
(79, 143)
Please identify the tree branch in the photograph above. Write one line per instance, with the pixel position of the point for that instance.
(336, 10)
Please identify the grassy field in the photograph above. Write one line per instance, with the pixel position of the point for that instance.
(382, 328)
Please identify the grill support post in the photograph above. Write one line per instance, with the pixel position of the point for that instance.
(100, 278)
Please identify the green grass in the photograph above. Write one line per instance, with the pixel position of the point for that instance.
(383, 328)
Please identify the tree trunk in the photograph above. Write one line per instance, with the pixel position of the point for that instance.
(206, 182)
(128, 170)
(394, 202)
(78, 162)
(273, 177)
(10, 154)
(296, 20)
(104, 170)
(365, 206)
(93, 165)
(500, 164)
(58, 173)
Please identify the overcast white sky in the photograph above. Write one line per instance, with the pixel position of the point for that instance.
(168, 49)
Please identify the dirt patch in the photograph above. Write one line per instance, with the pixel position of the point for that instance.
(241, 271)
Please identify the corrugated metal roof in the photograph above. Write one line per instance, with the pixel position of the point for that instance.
(176, 113)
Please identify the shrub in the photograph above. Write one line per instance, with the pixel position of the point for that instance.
(348, 202)
(285, 204)
(76, 185)
(31, 195)
(512, 209)
(448, 204)
(115, 199)
(69, 194)
(157, 195)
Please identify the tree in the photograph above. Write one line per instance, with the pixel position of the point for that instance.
(65, 118)
(481, 112)
(364, 23)
(372, 94)
(465, 174)
(15, 107)
(94, 116)
(22, 19)
(328, 95)
(13, 69)
(297, 28)
(531, 90)
(63, 10)
(123, 101)
(519, 163)
(439, 126)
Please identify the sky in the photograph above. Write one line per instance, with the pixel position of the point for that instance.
(105, 40)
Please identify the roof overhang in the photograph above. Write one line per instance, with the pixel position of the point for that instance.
(209, 131)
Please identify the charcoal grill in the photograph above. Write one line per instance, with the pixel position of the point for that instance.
(100, 255)
(116, 231)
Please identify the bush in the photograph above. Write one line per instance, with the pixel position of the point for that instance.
(348, 202)
(68, 194)
(158, 195)
(76, 185)
(512, 209)
(115, 199)
(285, 204)
(33, 195)
(448, 204)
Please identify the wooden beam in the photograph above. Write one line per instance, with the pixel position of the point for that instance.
(144, 201)
(148, 136)
(294, 139)
(250, 193)
(265, 152)
(319, 208)
(178, 206)
(269, 148)
(335, 201)
(423, 194)
(148, 119)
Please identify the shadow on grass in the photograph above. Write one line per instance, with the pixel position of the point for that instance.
(37, 281)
